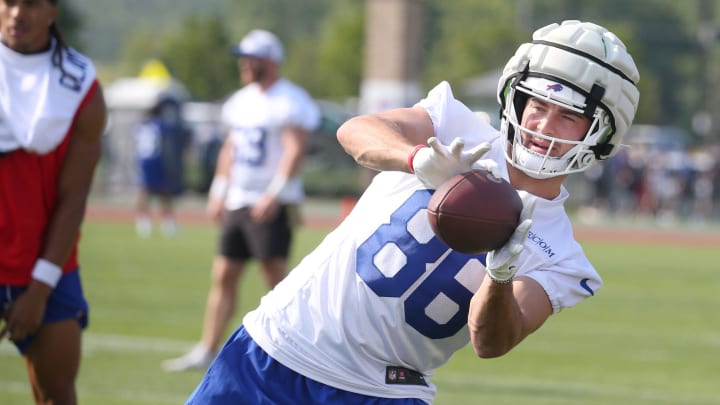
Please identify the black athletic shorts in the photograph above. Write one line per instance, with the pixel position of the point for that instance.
(242, 238)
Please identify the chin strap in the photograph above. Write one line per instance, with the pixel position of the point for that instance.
(593, 100)
(602, 150)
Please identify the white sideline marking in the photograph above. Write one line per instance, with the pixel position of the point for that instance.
(99, 342)
(133, 396)
(15, 386)
(95, 344)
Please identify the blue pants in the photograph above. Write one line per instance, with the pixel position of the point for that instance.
(65, 302)
(244, 374)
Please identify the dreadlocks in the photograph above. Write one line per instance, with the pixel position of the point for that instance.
(60, 48)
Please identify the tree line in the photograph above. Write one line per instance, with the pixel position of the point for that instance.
(462, 38)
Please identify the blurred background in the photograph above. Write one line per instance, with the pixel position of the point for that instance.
(654, 210)
(359, 56)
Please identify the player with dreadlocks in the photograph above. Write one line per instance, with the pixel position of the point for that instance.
(52, 115)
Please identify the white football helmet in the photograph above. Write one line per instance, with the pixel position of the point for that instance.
(580, 66)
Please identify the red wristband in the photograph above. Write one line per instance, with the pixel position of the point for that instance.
(411, 156)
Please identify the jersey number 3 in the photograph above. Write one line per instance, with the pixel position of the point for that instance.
(401, 259)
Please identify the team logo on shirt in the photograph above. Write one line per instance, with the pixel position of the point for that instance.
(402, 375)
(586, 287)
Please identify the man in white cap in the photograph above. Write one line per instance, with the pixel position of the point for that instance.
(257, 187)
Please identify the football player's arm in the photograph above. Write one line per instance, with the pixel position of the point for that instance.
(74, 181)
(294, 140)
(221, 180)
(384, 141)
(502, 315)
(225, 156)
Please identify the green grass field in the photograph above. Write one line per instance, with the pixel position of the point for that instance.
(651, 336)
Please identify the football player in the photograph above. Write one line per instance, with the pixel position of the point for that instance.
(369, 314)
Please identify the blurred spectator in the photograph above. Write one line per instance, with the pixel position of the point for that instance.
(665, 181)
(702, 187)
(203, 121)
(160, 140)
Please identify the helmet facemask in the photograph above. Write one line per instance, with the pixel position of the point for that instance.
(578, 158)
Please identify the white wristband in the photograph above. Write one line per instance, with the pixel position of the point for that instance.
(277, 185)
(47, 272)
(219, 187)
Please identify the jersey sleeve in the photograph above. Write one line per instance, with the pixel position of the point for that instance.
(569, 282)
(553, 257)
(451, 118)
(304, 112)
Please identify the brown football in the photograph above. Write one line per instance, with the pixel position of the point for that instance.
(474, 212)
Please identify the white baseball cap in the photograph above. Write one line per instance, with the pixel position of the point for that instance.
(260, 44)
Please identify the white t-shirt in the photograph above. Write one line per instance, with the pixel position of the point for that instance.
(381, 290)
(255, 120)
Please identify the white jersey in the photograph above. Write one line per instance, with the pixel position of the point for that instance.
(29, 118)
(383, 291)
(255, 120)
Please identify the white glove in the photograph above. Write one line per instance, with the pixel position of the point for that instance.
(491, 166)
(437, 163)
(500, 263)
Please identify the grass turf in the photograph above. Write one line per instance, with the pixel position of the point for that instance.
(649, 337)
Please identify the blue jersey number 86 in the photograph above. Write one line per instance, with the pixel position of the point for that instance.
(392, 244)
